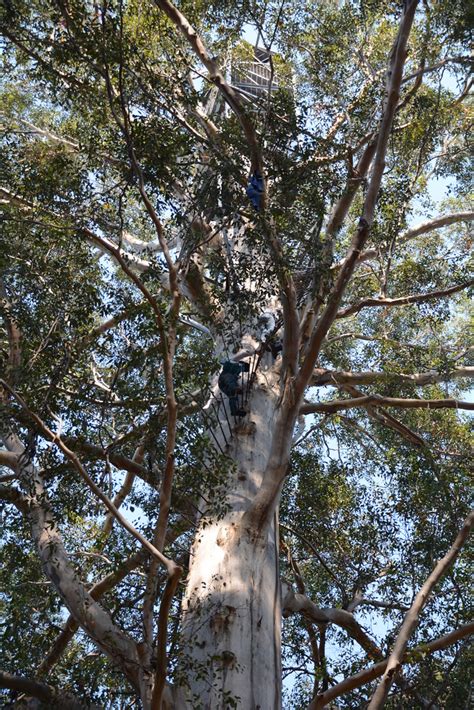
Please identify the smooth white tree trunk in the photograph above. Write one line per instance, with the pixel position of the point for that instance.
(232, 607)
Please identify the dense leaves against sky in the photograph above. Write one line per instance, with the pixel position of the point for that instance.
(105, 103)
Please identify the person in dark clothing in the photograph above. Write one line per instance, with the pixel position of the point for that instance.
(229, 384)
(275, 347)
(255, 190)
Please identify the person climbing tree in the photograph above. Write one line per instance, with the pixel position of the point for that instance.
(229, 384)
(255, 190)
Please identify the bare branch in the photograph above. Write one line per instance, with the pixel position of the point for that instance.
(191, 286)
(419, 229)
(377, 400)
(412, 617)
(401, 300)
(293, 603)
(436, 223)
(369, 674)
(378, 604)
(324, 377)
(447, 60)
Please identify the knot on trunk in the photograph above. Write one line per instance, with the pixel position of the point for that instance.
(221, 620)
(228, 659)
(246, 428)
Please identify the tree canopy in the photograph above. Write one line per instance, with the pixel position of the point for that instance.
(133, 263)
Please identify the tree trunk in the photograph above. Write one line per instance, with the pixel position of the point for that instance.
(232, 607)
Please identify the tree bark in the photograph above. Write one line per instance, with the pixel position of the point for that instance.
(232, 605)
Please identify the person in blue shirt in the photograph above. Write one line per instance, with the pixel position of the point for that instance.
(255, 190)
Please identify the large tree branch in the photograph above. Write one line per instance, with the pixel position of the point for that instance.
(422, 228)
(300, 603)
(45, 133)
(447, 60)
(394, 78)
(409, 657)
(260, 512)
(125, 127)
(337, 405)
(57, 568)
(99, 588)
(171, 567)
(117, 460)
(8, 459)
(412, 617)
(293, 603)
(96, 592)
(52, 697)
(291, 329)
(336, 219)
(324, 377)
(341, 208)
(379, 414)
(401, 300)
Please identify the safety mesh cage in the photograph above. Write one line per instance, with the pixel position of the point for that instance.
(254, 78)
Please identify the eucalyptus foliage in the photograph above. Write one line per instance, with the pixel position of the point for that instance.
(112, 123)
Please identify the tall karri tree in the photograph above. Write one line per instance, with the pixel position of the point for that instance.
(282, 184)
